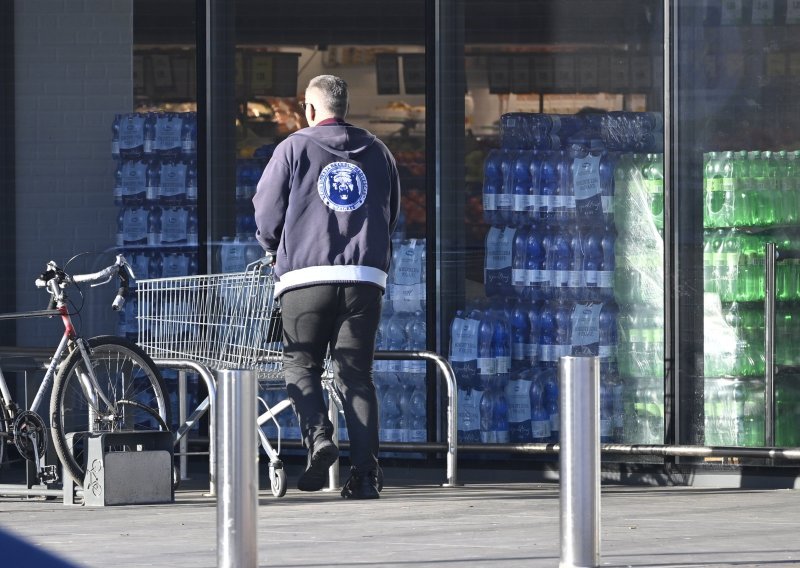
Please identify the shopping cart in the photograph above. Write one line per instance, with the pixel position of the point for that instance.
(223, 321)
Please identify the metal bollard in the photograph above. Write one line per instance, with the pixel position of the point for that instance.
(579, 379)
(237, 500)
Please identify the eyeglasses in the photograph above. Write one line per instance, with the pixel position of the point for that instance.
(304, 105)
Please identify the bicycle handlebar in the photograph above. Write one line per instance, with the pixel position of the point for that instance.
(55, 279)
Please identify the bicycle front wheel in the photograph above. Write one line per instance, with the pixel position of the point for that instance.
(133, 397)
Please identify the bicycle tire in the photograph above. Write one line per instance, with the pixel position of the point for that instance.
(131, 382)
(3, 432)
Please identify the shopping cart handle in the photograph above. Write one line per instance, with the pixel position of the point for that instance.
(267, 260)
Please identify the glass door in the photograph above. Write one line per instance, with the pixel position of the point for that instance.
(737, 69)
(558, 224)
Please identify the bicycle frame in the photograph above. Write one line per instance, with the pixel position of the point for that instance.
(88, 379)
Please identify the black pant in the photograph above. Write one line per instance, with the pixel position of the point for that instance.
(346, 318)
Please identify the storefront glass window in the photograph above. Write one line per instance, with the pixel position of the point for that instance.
(379, 49)
(735, 190)
(562, 230)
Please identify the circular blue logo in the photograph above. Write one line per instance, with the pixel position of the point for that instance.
(342, 186)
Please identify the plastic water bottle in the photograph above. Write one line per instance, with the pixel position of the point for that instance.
(538, 200)
(609, 340)
(758, 201)
(492, 186)
(464, 350)
(584, 330)
(153, 180)
(532, 347)
(514, 131)
(391, 414)
(607, 189)
(592, 245)
(131, 128)
(742, 216)
(176, 263)
(498, 262)
(537, 275)
(585, 182)
(417, 424)
(416, 337)
(132, 226)
(231, 255)
(519, 406)
(501, 348)
(564, 309)
(488, 434)
(606, 413)
(115, 136)
(653, 176)
(548, 353)
(189, 136)
(469, 416)
(169, 128)
(505, 199)
(522, 189)
(559, 261)
(174, 181)
(551, 404)
(494, 417)
(771, 196)
(565, 210)
(608, 265)
(487, 364)
(712, 190)
(500, 418)
(549, 196)
(149, 143)
(576, 282)
(191, 182)
(519, 271)
(618, 408)
(540, 418)
(396, 340)
(520, 337)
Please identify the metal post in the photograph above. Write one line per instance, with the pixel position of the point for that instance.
(237, 503)
(183, 445)
(333, 471)
(579, 379)
(769, 343)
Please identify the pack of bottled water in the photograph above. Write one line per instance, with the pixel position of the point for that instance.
(574, 246)
(155, 190)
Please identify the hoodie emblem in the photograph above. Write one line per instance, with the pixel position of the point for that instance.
(342, 186)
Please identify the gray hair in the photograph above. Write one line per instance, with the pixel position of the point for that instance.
(335, 95)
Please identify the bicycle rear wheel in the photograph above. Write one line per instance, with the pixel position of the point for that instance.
(131, 382)
(3, 433)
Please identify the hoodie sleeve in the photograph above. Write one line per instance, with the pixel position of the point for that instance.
(394, 195)
(271, 200)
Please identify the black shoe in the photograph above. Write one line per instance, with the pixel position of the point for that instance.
(320, 459)
(362, 486)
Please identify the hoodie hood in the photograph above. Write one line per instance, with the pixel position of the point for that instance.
(342, 140)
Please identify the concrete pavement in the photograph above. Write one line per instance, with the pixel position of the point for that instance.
(418, 523)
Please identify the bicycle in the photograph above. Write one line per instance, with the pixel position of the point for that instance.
(101, 384)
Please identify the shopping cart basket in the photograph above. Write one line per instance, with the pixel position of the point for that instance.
(222, 321)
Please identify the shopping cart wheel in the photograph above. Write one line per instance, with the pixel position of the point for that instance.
(277, 479)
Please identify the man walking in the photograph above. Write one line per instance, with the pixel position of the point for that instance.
(326, 206)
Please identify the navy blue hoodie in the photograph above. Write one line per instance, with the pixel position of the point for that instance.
(326, 206)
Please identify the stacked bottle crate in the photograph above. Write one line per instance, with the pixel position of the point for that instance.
(155, 188)
(750, 199)
(552, 276)
(402, 385)
(236, 251)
